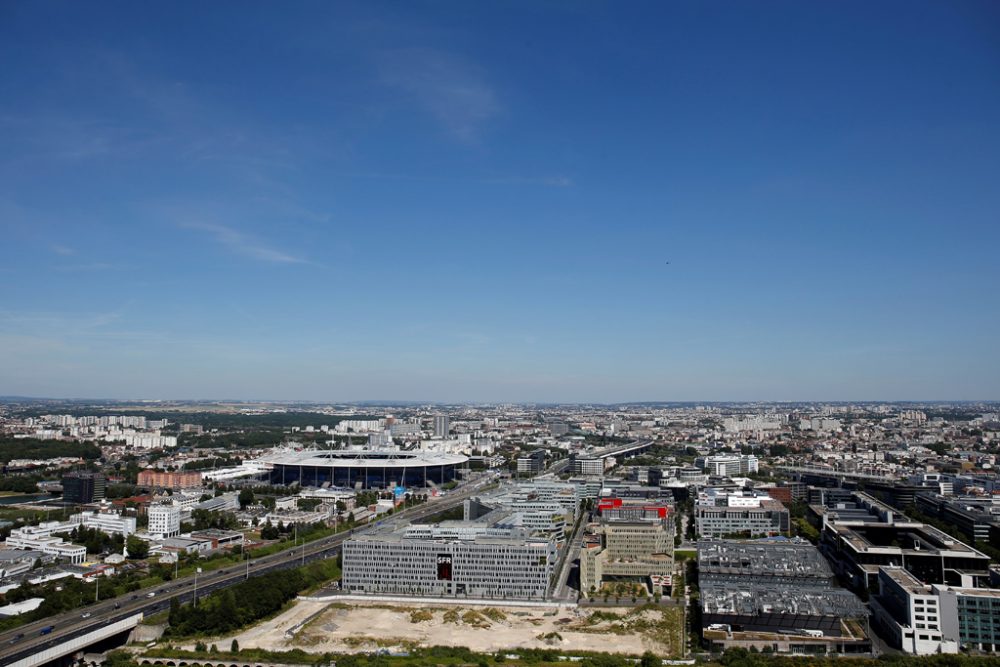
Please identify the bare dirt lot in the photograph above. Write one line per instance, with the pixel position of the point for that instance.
(364, 627)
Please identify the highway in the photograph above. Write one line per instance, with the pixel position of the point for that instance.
(27, 639)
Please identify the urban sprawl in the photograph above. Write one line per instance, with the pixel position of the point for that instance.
(803, 529)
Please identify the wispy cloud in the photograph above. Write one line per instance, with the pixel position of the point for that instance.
(559, 181)
(452, 90)
(63, 250)
(244, 244)
(90, 266)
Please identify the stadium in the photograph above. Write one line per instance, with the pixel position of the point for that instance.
(367, 468)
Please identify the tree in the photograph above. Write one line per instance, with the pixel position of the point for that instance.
(137, 549)
(269, 531)
(174, 618)
(234, 647)
(246, 498)
(119, 658)
(650, 659)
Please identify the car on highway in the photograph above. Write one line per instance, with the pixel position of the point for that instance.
(151, 594)
(19, 636)
(47, 629)
(86, 614)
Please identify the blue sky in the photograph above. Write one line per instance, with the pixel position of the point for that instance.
(477, 201)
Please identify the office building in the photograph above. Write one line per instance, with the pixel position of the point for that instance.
(164, 521)
(476, 559)
(728, 465)
(719, 513)
(82, 488)
(639, 550)
(40, 538)
(865, 535)
(111, 523)
(583, 465)
(531, 463)
(558, 429)
(909, 614)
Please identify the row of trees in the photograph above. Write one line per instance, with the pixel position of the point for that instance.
(240, 605)
(34, 448)
(96, 541)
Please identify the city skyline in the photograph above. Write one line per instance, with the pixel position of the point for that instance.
(530, 203)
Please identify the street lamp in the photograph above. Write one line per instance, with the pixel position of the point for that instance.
(197, 571)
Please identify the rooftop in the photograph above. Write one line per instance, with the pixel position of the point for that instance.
(744, 601)
(375, 458)
(762, 558)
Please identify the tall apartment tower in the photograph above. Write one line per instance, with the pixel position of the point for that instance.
(442, 426)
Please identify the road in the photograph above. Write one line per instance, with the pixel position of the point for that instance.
(150, 601)
(571, 550)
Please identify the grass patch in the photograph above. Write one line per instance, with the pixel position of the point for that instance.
(494, 614)
(475, 619)
(420, 615)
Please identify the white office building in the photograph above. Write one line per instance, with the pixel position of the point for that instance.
(40, 538)
(164, 521)
(454, 558)
(111, 523)
(728, 465)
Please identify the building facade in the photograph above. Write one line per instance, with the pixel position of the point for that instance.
(82, 488)
(531, 463)
(164, 521)
(636, 550)
(163, 479)
(442, 426)
(743, 516)
(460, 559)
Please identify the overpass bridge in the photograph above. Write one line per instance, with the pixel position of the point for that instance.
(629, 449)
(829, 473)
(76, 640)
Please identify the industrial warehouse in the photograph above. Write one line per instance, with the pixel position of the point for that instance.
(366, 468)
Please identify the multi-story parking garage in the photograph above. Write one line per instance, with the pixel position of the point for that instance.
(369, 468)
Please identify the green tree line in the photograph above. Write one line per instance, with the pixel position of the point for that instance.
(246, 603)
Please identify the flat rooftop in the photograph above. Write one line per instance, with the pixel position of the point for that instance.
(905, 580)
(755, 601)
(906, 538)
(762, 558)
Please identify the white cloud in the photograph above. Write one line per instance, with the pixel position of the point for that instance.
(244, 244)
(452, 90)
